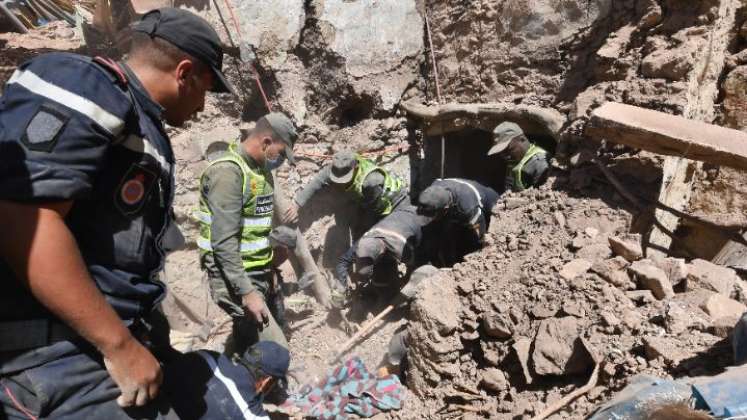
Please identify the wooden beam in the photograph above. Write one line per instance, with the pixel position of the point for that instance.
(670, 135)
(440, 119)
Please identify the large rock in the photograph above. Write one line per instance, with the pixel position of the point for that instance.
(675, 268)
(434, 344)
(706, 275)
(628, 247)
(614, 271)
(494, 380)
(272, 27)
(652, 278)
(719, 306)
(665, 348)
(497, 325)
(575, 268)
(373, 36)
(558, 348)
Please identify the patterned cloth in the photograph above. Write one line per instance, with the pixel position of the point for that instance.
(348, 389)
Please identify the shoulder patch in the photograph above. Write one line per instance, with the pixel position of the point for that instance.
(44, 128)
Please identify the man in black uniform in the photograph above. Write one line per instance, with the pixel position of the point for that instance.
(395, 239)
(464, 207)
(85, 202)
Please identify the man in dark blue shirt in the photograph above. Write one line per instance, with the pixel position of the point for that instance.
(85, 207)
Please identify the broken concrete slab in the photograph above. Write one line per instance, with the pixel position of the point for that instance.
(665, 348)
(628, 247)
(652, 278)
(706, 275)
(719, 306)
(668, 134)
(558, 349)
(575, 268)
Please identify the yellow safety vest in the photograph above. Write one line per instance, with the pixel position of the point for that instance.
(256, 213)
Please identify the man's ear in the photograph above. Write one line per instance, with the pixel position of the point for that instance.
(184, 71)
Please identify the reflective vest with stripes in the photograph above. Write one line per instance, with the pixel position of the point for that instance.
(392, 186)
(256, 213)
(516, 171)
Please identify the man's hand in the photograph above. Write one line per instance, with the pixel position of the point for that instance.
(290, 215)
(135, 371)
(254, 305)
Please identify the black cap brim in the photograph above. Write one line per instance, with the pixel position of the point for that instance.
(221, 84)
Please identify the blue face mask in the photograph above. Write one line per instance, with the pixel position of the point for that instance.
(272, 164)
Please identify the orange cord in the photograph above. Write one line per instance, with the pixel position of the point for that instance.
(251, 66)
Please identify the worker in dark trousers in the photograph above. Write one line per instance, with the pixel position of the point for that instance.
(393, 240)
(463, 207)
(238, 384)
(235, 212)
(87, 185)
(529, 165)
(374, 189)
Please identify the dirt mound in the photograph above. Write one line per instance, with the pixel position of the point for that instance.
(547, 299)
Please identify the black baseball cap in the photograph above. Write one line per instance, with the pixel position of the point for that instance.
(191, 34)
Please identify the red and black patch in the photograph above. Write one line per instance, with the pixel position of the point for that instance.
(134, 189)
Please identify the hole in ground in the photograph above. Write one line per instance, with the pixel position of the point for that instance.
(354, 109)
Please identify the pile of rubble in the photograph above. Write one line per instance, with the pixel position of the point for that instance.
(561, 287)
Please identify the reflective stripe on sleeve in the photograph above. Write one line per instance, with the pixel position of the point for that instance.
(233, 390)
(141, 145)
(41, 87)
(386, 232)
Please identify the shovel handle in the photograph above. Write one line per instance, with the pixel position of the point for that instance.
(362, 332)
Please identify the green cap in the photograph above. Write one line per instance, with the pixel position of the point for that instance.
(502, 136)
(343, 167)
(284, 128)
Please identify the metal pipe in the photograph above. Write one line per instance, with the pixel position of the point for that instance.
(13, 18)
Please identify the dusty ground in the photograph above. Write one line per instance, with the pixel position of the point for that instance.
(548, 277)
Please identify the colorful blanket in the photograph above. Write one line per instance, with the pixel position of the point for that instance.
(348, 389)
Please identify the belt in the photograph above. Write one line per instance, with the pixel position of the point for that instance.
(33, 333)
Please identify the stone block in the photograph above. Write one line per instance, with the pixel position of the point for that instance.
(719, 306)
(575, 268)
(627, 247)
(558, 348)
(614, 271)
(706, 275)
(652, 278)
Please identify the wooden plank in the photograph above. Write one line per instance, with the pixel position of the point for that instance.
(667, 134)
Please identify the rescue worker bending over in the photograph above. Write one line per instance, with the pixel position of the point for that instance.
(530, 162)
(395, 239)
(373, 188)
(235, 215)
(239, 384)
(464, 208)
(87, 175)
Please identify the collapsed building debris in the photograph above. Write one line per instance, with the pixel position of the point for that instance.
(565, 281)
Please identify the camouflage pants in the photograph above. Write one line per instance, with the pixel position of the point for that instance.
(246, 331)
